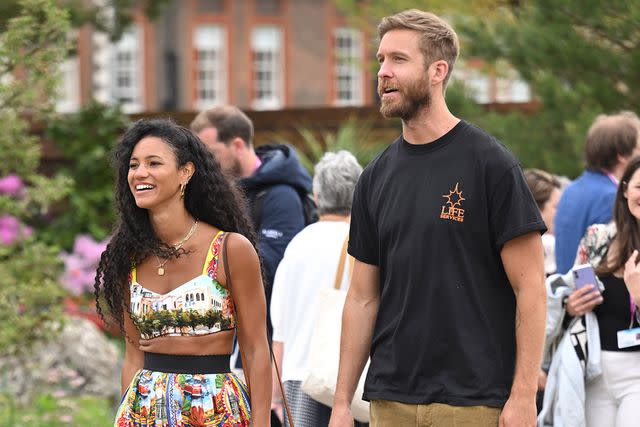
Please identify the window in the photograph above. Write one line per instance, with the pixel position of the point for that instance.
(512, 90)
(126, 82)
(266, 46)
(69, 91)
(348, 77)
(211, 78)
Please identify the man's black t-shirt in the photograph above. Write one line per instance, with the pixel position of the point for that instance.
(434, 218)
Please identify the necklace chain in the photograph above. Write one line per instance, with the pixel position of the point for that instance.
(176, 246)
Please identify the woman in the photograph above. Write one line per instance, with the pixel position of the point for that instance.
(309, 264)
(164, 279)
(546, 192)
(602, 315)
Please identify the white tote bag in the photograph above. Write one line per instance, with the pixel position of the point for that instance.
(324, 352)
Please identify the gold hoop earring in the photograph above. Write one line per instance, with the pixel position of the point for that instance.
(183, 187)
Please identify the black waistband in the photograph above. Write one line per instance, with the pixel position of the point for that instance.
(187, 364)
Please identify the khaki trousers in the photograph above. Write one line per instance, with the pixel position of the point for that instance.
(386, 413)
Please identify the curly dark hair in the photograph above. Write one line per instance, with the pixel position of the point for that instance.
(209, 197)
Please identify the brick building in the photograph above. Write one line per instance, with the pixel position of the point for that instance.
(257, 54)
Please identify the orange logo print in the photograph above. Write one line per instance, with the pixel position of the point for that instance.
(452, 208)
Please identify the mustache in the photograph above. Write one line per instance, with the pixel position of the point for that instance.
(383, 86)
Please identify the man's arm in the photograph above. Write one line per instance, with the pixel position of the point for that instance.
(358, 320)
(523, 261)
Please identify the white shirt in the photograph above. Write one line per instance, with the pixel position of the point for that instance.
(309, 264)
(549, 245)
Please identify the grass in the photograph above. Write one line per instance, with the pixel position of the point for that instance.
(56, 411)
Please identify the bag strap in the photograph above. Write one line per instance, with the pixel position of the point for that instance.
(338, 280)
(227, 275)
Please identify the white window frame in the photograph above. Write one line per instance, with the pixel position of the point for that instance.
(348, 72)
(209, 43)
(127, 73)
(68, 93)
(268, 92)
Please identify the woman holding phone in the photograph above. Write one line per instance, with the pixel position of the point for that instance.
(611, 398)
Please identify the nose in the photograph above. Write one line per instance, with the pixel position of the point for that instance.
(385, 70)
(140, 171)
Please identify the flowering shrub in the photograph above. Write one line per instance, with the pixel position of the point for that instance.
(36, 42)
(12, 230)
(12, 185)
(80, 265)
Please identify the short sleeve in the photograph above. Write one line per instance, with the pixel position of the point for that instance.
(363, 240)
(513, 211)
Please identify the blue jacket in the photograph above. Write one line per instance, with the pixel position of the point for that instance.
(587, 200)
(284, 179)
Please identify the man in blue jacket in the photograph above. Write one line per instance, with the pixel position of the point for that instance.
(272, 177)
(612, 140)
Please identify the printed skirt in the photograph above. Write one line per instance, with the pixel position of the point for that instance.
(161, 399)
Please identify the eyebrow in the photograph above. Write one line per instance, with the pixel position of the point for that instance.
(392, 53)
(153, 156)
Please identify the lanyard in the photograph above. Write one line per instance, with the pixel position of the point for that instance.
(613, 179)
(633, 311)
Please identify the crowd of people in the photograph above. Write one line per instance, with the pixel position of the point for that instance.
(474, 289)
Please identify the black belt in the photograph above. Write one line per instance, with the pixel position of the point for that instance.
(187, 364)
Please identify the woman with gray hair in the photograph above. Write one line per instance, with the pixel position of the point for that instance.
(309, 265)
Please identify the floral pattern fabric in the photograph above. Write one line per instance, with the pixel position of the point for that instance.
(594, 245)
(161, 399)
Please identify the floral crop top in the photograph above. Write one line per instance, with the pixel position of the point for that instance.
(198, 307)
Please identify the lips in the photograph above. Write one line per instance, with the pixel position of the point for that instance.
(386, 91)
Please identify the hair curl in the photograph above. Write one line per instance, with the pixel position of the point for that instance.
(209, 197)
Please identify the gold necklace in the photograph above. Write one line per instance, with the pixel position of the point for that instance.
(176, 246)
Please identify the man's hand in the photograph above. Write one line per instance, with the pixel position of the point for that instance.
(341, 416)
(583, 300)
(519, 412)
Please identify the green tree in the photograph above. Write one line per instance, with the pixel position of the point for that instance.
(86, 139)
(581, 57)
(31, 49)
(111, 16)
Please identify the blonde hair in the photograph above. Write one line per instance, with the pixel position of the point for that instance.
(438, 41)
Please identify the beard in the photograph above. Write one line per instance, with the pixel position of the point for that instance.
(412, 99)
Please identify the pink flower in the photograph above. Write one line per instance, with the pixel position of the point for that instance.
(12, 230)
(11, 185)
(80, 265)
(88, 248)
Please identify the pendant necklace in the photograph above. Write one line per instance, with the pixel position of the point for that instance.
(176, 246)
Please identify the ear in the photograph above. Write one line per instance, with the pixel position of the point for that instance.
(238, 145)
(438, 71)
(187, 171)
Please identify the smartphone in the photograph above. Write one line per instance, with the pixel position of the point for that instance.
(584, 275)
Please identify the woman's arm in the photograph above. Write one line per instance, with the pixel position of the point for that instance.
(249, 300)
(133, 356)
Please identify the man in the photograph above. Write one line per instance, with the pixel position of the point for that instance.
(447, 293)
(611, 142)
(271, 175)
